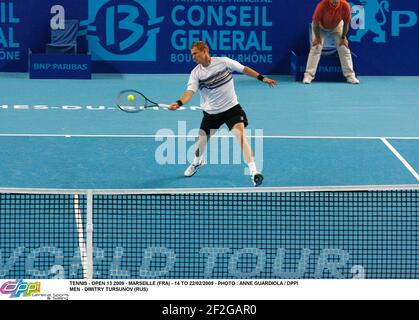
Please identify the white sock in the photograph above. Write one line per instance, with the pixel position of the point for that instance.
(196, 160)
(252, 168)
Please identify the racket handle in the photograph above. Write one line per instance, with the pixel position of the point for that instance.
(162, 105)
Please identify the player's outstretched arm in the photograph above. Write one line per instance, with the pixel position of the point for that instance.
(185, 98)
(252, 73)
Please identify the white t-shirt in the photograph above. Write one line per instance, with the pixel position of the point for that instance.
(216, 84)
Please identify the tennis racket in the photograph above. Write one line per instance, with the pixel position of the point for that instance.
(133, 101)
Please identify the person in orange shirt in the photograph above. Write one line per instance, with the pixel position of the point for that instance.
(331, 16)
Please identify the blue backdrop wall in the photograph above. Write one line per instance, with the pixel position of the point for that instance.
(154, 36)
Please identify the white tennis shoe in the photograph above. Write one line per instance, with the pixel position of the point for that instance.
(307, 79)
(193, 168)
(352, 79)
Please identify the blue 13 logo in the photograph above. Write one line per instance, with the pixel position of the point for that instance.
(122, 28)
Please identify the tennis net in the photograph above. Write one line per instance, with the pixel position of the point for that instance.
(332, 232)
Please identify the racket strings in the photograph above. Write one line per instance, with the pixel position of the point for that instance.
(132, 101)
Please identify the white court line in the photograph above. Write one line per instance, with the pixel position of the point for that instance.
(82, 242)
(67, 135)
(400, 157)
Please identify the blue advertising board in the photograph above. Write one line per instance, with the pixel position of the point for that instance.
(59, 66)
(14, 15)
(154, 36)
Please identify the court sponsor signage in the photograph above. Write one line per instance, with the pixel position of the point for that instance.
(154, 36)
(11, 55)
(242, 32)
(123, 30)
(371, 18)
(381, 32)
(59, 66)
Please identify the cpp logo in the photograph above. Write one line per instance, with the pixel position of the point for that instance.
(19, 287)
(122, 30)
(371, 15)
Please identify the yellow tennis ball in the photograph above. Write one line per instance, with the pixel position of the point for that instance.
(130, 97)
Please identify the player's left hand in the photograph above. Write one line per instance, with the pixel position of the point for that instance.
(272, 83)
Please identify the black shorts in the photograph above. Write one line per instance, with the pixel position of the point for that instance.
(230, 117)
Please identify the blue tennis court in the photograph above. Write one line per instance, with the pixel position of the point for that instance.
(70, 134)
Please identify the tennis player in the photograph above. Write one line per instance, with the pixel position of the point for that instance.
(213, 76)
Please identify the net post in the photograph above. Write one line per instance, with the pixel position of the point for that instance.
(89, 234)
